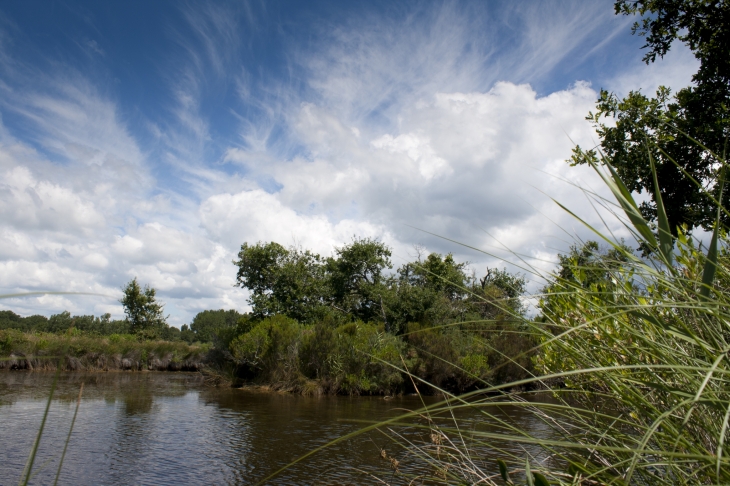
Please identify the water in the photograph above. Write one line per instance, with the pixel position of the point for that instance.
(169, 428)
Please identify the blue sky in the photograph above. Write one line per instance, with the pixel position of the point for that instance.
(152, 139)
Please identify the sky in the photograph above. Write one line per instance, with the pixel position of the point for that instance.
(152, 139)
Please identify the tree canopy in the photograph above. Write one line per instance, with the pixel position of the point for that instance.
(353, 285)
(586, 269)
(207, 323)
(686, 133)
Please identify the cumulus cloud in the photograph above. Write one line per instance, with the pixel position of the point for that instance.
(459, 162)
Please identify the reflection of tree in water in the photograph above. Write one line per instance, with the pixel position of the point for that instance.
(136, 423)
(138, 401)
(110, 387)
(269, 430)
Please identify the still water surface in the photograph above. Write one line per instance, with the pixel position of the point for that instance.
(169, 428)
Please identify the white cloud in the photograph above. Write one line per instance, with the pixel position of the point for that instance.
(418, 150)
(252, 216)
(33, 204)
(420, 123)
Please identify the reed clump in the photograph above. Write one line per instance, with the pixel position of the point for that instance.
(637, 350)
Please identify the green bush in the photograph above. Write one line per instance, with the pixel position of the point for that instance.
(269, 350)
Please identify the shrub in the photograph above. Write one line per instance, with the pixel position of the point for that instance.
(270, 349)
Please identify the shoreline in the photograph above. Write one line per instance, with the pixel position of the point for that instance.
(99, 362)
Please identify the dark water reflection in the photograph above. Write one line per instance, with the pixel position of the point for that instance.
(168, 428)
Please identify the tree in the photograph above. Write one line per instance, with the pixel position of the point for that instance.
(355, 277)
(206, 323)
(685, 134)
(443, 275)
(144, 313)
(500, 293)
(282, 281)
(352, 285)
(587, 269)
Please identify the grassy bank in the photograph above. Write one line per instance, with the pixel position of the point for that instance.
(77, 352)
(329, 356)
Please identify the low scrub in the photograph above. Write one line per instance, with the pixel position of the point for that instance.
(357, 358)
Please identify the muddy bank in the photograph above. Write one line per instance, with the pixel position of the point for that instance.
(100, 362)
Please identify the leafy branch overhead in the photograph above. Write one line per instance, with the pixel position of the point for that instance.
(685, 134)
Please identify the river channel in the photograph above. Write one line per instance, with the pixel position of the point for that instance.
(169, 428)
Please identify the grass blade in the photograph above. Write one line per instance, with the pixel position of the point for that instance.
(666, 241)
(31, 458)
(627, 203)
(68, 438)
(540, 480)
(708, 273)
(503, 471)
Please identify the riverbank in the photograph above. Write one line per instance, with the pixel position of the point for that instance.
(281, 355)
(117, 352)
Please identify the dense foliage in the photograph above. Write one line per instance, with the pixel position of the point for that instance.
(62, 322)
(352, 285)
(685, 134)
(208, 324)
(344, 324)
(77, 350)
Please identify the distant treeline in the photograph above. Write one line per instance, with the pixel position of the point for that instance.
(200, 330)
(63, 322)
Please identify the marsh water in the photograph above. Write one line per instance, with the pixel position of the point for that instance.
(170, 428)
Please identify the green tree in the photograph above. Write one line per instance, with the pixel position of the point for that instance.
(585, 269)
(208, 322)
(442, 275)
(186, 334)
(60, 322)
(306, 287)
(499, 292)
(144, 314)
(355, 277)
(282, 281)
(659, 127)
(11, 320)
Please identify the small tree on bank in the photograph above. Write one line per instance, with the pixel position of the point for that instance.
(144, 313)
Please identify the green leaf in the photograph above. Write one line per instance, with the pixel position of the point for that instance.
(503, 471)
(540, 480)
(708, 273)
(648, 318)
(530, 480)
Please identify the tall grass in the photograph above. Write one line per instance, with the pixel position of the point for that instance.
(638, 368)
(644, 355)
